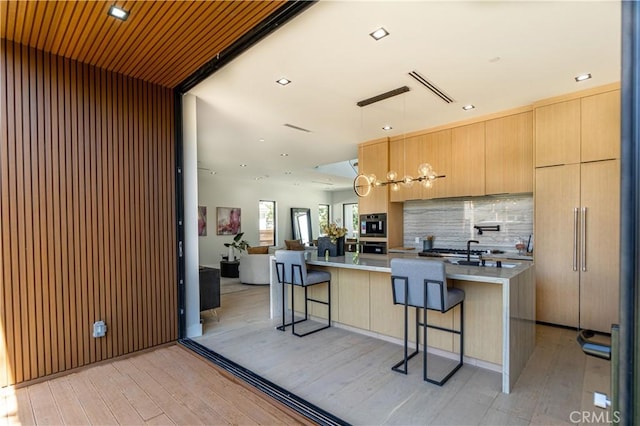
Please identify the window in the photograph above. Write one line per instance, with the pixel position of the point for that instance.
(351, 218)
(323, 216)
(267, 223)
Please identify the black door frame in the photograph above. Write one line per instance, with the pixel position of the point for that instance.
(629, 356)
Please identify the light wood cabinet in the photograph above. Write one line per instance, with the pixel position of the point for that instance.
(600, 126)
(557, 192)
(600, 262)
(437, 152)
(467, 160)
(577, 239)
(509, 154)
(577, 210)
(396, 162)
(406, 155)
(489, 157)
(373, 158)
(558, 133)
(353, 292)
(578, 130)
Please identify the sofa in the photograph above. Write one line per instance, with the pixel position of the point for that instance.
(254, 266)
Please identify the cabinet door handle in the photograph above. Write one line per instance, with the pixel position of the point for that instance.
(583, 240)
(575, 238)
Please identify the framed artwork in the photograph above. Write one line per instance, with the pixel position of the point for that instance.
(228, 220)
(202, 221)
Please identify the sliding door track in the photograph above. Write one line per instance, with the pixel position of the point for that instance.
(305, 408)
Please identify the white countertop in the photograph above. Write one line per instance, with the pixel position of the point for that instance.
(381, 263)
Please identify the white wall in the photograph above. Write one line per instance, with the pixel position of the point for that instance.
(216, 191)
(190, 165)
(338, 198)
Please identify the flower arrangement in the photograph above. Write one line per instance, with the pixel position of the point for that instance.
(333, 231)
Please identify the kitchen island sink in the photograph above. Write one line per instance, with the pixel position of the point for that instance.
(478, 263)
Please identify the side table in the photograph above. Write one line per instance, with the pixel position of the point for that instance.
(229, 269)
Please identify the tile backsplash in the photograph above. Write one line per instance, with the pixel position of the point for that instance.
(452, 221)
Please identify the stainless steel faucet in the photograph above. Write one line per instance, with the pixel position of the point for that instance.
(469, 248)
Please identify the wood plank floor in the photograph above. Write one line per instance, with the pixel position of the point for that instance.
(345, 373)
(349, 375)
(166, 386)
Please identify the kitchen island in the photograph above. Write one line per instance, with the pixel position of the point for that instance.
(499, 313)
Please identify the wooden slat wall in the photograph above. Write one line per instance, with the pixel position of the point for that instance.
(87, 214)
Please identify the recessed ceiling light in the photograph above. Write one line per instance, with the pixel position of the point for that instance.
(118, 12)
(583, 77)
(287, 173)
(284, 154)
(387, 128)
(243, 165)
(283, 81)
(468, 107)
(379, 33)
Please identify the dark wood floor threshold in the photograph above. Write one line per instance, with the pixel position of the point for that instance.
(289, 399)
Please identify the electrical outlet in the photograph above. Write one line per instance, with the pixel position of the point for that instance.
(417, 240)
(99, 329)
(600, 400)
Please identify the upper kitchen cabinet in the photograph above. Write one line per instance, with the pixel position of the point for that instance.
(600, 126)
(558, 133)
(404, 158)
(373, 158)
(436, 150)
(407, 153)
(582, 129)
(467, 160)
(509, 154)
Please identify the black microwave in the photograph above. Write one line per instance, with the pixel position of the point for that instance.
(373, 225)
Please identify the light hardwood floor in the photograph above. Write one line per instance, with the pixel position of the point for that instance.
(170, 385)
(349, 375)
(344, 373)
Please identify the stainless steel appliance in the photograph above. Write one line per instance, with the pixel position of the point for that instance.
(373, 225)
(374, 247)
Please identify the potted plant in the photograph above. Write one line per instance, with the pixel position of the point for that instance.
(237, 243)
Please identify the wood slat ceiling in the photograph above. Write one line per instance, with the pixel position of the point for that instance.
(162, 42)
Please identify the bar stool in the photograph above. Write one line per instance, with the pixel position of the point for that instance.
(291, 269)
(423, 285)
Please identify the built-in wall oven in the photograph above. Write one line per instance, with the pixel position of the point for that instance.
(373, 225)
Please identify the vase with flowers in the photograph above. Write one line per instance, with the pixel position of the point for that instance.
(333, 240)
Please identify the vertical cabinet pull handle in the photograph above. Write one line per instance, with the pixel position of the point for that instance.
(575, 238)
(583, 240)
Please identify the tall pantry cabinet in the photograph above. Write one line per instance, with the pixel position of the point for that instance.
(577, 209)
(373, 159)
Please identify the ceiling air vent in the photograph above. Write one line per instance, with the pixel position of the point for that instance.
(297, 128)
(383, 96)
(432, 87)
